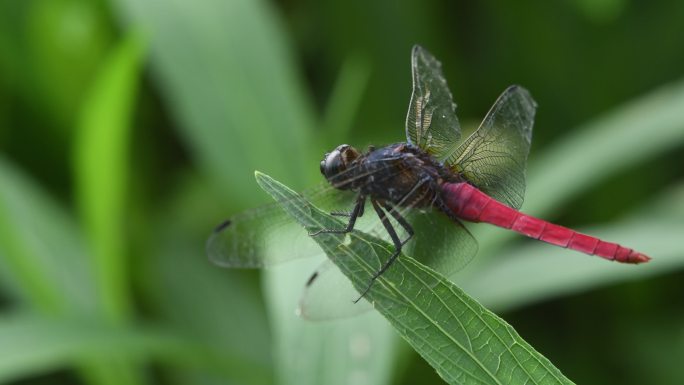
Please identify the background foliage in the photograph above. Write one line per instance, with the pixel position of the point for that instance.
(129, 128)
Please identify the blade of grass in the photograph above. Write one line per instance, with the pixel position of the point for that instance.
(223, 310)
(32, 345)
(462, 340)
(345, 100)
(101, 171)
(640, 130)
(43, 261)
(537, 272)
(239, 101)
(241, 106)
(101, 176)
(633, 133)
(636, 131)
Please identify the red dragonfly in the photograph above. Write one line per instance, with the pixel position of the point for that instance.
(481, 179)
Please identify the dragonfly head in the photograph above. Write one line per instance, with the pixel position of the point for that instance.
(335, 163)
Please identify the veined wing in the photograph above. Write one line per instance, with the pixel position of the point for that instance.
(440, 243)
(431, 122)
(266, 235)
(494, 157)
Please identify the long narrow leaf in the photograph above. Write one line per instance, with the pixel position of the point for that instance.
(101, 170)
(633, 133)
(32, 345)
(463, 341)
(228, 74)
(43, 260)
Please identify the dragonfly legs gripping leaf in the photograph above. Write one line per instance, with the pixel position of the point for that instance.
(398, 243)
(380, 208)
(355, 213)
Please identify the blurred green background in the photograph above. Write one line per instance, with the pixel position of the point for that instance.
(128, 129)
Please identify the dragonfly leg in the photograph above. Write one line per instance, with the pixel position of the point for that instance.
(356, 212)
(348, 214)
(401, 220)
(398, 243)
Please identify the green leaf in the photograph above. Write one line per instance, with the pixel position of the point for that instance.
(101, 171)
(345, 100)
(221, 309)
(32, 345)
(462, 340)
(539, 271)
(43, 259)
(229, 76)
(633, 133)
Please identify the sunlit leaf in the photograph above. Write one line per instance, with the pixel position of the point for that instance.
(101, 167)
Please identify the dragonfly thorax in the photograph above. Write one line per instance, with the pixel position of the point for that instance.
(400, 173)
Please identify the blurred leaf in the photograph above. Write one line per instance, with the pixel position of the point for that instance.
(538, 271)
(65, 42)
(241, 106)
(635, 132)
(358, 350)
(345, 100)
(42, 255)
(220, 309)
(600, 10)
(463, 341)
(101, 168)
(44, 262)
(227, 72)
(32, 345)
(639, 130)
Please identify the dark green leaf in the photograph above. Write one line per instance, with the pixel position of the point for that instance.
(463, 341)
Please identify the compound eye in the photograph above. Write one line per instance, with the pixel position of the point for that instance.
(331, 164)
(323, 163)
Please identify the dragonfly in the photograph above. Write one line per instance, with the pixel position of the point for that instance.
(434, 173)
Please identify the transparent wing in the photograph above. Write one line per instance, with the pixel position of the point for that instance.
(494, 157)
(439, 242)
(442, 243)
(431, 122)
(266, 235)
(330, 295)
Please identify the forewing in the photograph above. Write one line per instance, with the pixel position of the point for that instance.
(266, 235)
(431, 122)
(494, 157)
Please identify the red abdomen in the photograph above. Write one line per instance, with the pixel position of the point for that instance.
(471, 204)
